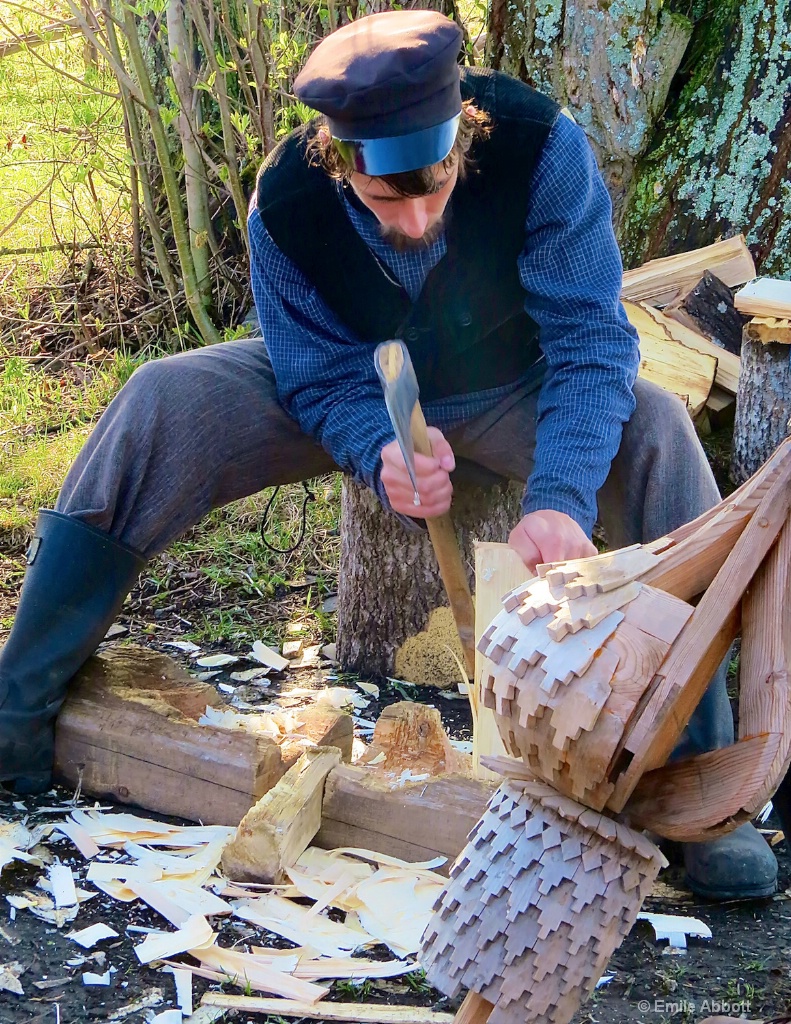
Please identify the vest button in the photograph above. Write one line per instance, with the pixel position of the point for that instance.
(465, 319)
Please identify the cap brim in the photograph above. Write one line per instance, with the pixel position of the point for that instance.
(377, 157)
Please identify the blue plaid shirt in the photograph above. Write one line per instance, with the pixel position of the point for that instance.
(571, 271)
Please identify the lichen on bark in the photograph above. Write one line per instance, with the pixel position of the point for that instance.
(720, 165)
(611, 63)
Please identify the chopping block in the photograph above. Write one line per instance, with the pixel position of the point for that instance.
(129, 730)
(593, 670)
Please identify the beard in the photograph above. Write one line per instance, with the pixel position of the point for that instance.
(405, 243)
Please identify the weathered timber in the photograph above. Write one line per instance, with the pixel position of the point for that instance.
(416, 821)
(129, 730)
(709, 308)
(278, 829)
(390, 588)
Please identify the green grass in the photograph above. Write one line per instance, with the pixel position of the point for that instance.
(44, 420)
(63, 175)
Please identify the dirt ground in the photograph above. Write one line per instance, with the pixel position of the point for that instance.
(743, 970)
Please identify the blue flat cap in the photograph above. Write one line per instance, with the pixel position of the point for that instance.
(388, 85)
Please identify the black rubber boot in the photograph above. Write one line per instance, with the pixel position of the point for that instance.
(740, 865)
(76, 582)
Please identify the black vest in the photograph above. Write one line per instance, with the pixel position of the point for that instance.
(468, 330)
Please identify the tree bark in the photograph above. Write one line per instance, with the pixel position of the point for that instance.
(390, 584)
(722, 162)
(763, 406)
(611, 65)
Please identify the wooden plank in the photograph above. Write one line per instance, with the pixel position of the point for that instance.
(362, 1013)
(668, 279)
(277, 830)
(695, 552)
(435, 815)
(695, 656)
(474, 1010)
(766, 296)
(498, 570)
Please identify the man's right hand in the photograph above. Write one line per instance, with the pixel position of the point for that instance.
(433, 479)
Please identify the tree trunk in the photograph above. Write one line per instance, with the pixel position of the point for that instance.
(763, 406)
(390, 584)
(610, 64)
(722, 161)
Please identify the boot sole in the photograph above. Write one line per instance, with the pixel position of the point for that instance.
(31, 784)
(761, 892)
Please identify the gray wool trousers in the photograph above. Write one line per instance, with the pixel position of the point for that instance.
(197, 430)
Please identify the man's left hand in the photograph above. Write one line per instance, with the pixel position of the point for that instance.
(549, 536)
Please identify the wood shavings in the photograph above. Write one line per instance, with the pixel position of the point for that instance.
(676, 928)
(167, 1017)
(183, 982)
(159, 945)
(266, 656)
(15, 843)
(88, 937)
(186, 646)
(250, 675)
(61, 880)
(78, 835)
(178, 902)
(283, 917)
(278, 725)
(396, 909)
(10, 974)
(216, 661)
(89, 978)
(153, 998)
(260, 973)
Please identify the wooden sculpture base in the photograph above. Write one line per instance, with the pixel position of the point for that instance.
(538, 901)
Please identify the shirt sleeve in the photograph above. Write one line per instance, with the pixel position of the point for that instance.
(326, 379)
(571, 270)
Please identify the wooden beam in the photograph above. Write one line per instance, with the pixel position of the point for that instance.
(416, 821)
(129, 730)
(498, 570)
(361, 1013)
(277, 830)
(666, 280)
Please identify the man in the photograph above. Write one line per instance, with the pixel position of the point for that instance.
(463, 213)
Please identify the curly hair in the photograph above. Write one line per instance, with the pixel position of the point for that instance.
(473, 124)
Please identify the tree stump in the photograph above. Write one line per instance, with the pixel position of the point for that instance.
(393, 614)
(763, 402)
